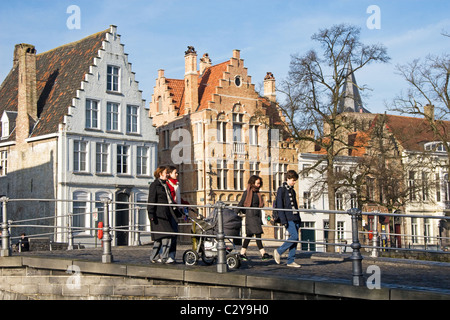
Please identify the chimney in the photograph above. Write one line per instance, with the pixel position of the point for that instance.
(428, 112)
(191, 79)
(269, 87)
(25, 60)
(236, 54)
(205, 62)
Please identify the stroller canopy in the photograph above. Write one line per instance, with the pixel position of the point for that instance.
(232, 223)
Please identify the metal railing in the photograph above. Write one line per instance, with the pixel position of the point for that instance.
(69, 229)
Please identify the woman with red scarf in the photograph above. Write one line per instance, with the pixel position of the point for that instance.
(253, 222)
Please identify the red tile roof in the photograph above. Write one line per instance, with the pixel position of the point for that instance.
(59, 73)
(412, 133)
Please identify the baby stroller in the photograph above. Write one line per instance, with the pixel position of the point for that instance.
(205, 247)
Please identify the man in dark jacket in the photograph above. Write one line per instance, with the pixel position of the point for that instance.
(287, 199)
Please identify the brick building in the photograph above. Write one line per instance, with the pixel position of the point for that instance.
(219, 131)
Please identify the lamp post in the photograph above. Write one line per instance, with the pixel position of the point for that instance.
(356, 257)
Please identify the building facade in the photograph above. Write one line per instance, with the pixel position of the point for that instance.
(75, 128)
(219, 131)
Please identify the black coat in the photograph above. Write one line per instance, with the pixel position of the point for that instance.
(284, 201)
(160, 216)
(253, 217)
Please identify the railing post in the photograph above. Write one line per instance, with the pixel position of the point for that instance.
(356, 257)
(221, 249)
(6, 250)
(374, 253)
(137, 234)
(70, 232)
(107, 255)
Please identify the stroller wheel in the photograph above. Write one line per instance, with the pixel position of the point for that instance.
(233, 261)
(190, 257)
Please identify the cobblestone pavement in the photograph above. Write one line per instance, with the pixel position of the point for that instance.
(395, 273)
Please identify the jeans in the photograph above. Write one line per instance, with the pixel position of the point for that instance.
(291, 246)
(161, 247)
(173, 245)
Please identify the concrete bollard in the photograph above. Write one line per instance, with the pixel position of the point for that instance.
(6, 249)
(221, 248)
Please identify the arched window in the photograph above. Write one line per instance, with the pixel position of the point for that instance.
(80, 208)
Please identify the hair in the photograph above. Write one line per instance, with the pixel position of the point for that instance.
(170, 169)
(159, 170)
(292, 174)
(253, 180)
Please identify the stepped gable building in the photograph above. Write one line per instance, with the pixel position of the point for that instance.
(74, 127)
(219, 131)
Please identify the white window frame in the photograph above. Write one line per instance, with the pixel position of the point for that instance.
(123, 159)
(238, 175)
(221, 131)
(102, 157)
(198, 126)
(132, 119)
(222, 174)
(3, 163)
(112, 116)
(307, 202)
(92, 114)
(113, 78)
(80, 156)
(80, 207)
(255, 168)
(142, 160)
(253, 135)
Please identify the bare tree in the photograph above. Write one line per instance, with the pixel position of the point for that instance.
(428, 95)
(313, 93)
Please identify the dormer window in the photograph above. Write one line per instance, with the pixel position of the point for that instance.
(5, 128)
(436, 146)
(8, 123)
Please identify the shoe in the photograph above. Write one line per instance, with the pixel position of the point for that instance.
(266, 257)
(243, 257)
(155, 260)
(169, 261)
(276, 256)
(294, 265)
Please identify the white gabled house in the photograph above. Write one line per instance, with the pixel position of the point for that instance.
(75, 128)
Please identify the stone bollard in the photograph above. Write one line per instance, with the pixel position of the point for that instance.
(70, 232)
(6, 249)
(356, 258)
(107, 255)
(221, 248)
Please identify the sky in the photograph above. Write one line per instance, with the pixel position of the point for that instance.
(267, 33)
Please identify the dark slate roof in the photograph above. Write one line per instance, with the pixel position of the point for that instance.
(59, 73)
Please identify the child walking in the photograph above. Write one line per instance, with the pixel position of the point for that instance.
(287, 199)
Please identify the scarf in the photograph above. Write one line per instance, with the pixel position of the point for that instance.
(291, 198)
(249, 197)
(173, 185)
(166, 188)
